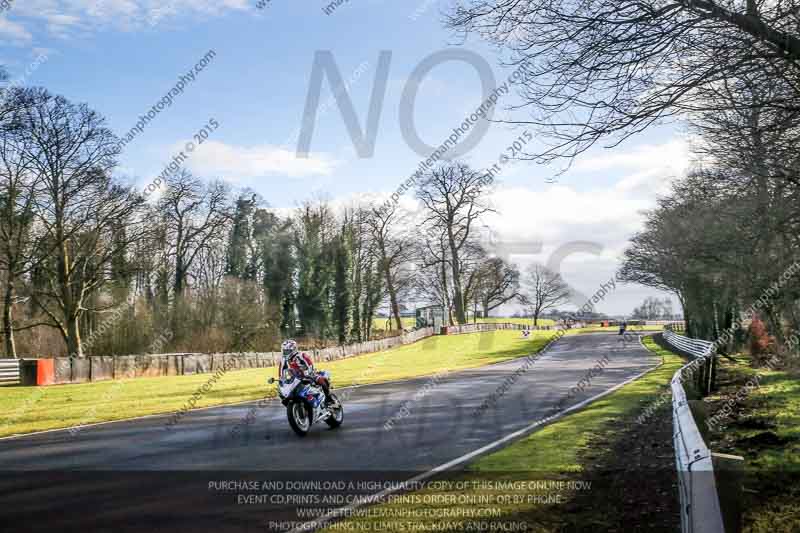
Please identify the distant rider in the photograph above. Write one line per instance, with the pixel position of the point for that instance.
(301, 363)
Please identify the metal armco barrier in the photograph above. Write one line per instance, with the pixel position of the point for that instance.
(700, 507)
(693, 347)
(9, 370)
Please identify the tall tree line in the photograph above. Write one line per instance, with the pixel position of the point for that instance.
(90, 265)
(596, 73)
(727, 235)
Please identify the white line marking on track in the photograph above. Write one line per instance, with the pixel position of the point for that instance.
(378, 497)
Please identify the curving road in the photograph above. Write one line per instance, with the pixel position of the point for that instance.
(170, 478)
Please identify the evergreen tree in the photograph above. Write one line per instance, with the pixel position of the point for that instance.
(240, 241)
(341, 290)
(314, 270)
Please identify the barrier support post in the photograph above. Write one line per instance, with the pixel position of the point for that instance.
(729, 473)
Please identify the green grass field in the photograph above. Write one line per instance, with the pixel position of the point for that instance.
(28, 409)
(381, 324)
(556, 450)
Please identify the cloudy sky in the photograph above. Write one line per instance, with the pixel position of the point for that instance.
(123, 56)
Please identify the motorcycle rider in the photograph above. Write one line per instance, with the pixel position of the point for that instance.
(303, 364)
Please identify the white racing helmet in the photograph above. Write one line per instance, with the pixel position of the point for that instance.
(289, 348)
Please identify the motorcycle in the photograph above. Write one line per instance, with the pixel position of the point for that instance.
(305, 402)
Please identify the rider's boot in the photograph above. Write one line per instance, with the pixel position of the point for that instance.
(328, 398)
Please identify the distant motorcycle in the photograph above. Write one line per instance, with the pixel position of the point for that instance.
(305, 402)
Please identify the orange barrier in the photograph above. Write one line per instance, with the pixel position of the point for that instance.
(45, 372)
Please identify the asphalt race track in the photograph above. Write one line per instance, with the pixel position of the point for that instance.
(141, 475)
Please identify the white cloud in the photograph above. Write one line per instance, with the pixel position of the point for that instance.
(13, 32)
(561, 212)
(66, 17)
(546, 220)
(607, 217)
(237, 163)
(648, 168)
(672, 155)
(588, 227)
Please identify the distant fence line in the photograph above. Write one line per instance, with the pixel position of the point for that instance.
(64, 370)
(102, 368)
(489, 326)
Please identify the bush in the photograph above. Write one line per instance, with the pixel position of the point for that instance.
(762, 344)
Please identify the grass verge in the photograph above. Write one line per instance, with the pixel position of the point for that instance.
(586, 445)
(763, 426)
(384, 324)
(27, 409)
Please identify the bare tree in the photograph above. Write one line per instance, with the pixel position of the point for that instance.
(543, 289)
(605, 70)
(208, 276)
(669, 253)
(394, 250)
(195, 214)
(653, 309)
(78, 207)
(454, 197)
(498, 284)
(473, 258)
(432, 280)
(18, 183)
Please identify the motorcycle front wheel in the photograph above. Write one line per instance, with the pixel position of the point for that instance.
(299, 417)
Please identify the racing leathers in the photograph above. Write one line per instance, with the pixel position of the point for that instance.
(302, 364)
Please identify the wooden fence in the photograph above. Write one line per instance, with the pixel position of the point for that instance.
(101, 368)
